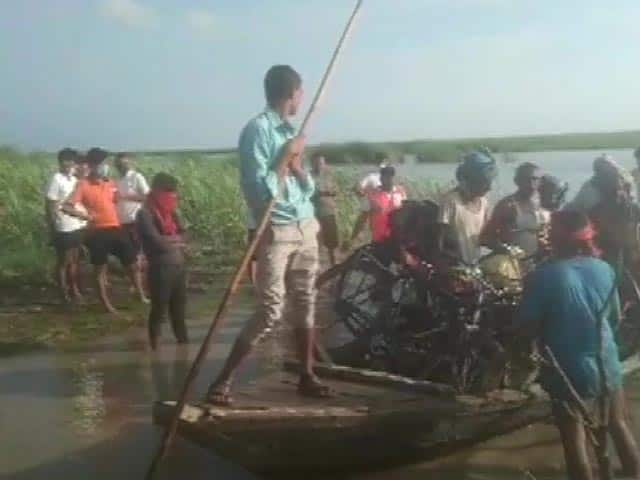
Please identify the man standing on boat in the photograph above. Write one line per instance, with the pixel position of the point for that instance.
(464, 211)
(518, 219)
(288, 249)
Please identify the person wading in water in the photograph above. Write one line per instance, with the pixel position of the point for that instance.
(563, 303)
(287, 259)
(161, 235)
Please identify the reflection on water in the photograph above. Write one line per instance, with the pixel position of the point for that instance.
(88, 403)
(87, 415)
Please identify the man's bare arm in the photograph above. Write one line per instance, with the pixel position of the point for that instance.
(70, 209)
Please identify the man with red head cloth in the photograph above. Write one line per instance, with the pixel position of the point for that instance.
(571, 303)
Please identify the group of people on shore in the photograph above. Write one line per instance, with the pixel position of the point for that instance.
(563, 298)
(126, 219)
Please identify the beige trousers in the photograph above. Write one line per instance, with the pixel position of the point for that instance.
(286, 266)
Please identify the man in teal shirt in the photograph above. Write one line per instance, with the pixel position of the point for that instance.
(570, 304)
(271, 167)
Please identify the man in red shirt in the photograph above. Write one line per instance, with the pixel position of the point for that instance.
(97, 194)
(382, 201)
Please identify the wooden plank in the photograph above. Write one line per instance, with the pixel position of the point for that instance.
(377, 378)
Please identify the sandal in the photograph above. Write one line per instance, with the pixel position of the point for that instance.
(219, 395)
(310, 386)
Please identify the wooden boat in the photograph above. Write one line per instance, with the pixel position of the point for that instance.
(375, 420)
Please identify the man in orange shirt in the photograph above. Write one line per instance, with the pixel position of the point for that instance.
(97, 194)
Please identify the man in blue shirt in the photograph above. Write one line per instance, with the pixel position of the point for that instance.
(563, 303)
(271, 167)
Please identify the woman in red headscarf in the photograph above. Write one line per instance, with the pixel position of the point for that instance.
(161, 234)
(570, 304)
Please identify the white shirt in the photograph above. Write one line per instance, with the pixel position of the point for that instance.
(370, 182)
(467, 222)
(60, 188)
(133, 183)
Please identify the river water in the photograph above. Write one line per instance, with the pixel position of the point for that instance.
(86, 413)
(571, 166)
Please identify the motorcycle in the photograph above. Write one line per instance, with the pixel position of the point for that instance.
(445, 325)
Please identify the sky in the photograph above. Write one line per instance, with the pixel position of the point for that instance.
(163, 74)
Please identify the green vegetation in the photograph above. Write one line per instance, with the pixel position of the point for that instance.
(212, 202)
(449, 150)
(211, 205)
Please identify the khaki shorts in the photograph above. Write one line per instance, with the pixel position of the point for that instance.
(287, 265)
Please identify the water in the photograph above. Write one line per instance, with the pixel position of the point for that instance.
(86, 413)
(574, 167)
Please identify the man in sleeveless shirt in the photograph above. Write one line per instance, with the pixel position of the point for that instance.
(518, 219)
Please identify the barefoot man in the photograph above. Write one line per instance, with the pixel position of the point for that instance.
(66, 231)
(97, 194)
(289, 247)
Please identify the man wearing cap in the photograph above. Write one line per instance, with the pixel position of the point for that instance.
(97, 194)
(464, 211)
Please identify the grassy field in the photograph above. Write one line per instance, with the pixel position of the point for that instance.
(211, 204)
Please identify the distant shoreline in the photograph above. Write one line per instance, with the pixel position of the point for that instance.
(447, 150)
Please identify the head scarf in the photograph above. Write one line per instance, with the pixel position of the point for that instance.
(164, 205)
(477, 166)
(567, 237)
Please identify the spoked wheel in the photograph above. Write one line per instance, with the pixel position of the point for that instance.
(369, 295)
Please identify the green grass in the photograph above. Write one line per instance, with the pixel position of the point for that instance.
(211, 205)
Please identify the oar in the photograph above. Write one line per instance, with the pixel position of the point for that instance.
(171, 429)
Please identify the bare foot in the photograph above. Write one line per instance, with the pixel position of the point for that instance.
(112, 310)
(78, 299)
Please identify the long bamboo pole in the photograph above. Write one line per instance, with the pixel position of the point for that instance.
(171, 429)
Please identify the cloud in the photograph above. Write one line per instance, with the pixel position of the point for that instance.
(129, 12)
(201, 21)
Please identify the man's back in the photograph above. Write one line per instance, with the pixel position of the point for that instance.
(569, 297)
